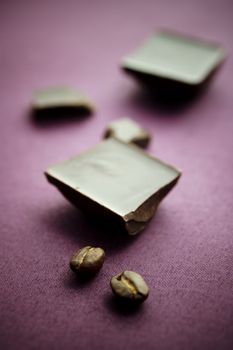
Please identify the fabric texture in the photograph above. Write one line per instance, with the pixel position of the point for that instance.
(186, 253)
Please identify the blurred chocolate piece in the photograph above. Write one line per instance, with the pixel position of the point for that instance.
(128, 131)
(115, 181)
(172, 64)
(61, 100)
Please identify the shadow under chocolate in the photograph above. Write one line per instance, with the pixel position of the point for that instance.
(50, 117)
(168, 98)
(84, 229)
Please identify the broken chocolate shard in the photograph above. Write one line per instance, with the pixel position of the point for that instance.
(61, 100)
(128, 131)
(171, 63)
(117, 181)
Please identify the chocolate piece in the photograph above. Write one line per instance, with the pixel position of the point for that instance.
(61, 98)
(117, 181)
(126, 130)
(172, 63)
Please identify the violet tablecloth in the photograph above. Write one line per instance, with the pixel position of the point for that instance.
(186, 254)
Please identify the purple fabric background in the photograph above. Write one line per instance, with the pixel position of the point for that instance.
(185, 254)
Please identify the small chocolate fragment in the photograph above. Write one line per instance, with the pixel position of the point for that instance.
(61, 99)
(128, 131)
(115, 181)
(130, 286)
(87, 260)
(171, 63)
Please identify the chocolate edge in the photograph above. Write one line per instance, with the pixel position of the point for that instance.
(137, 220)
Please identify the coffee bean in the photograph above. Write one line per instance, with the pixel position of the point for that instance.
(130, 286)
(87, 260)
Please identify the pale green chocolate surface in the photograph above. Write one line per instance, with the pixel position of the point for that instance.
(127, 130)
(177, 57)
(118, 176)
(60, 96)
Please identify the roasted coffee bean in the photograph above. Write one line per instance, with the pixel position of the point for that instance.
(87, 260)
(129, 285)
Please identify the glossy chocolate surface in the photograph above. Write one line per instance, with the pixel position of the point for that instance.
(60, 97)
(117, 179)
(169, 58)
(128, 131)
